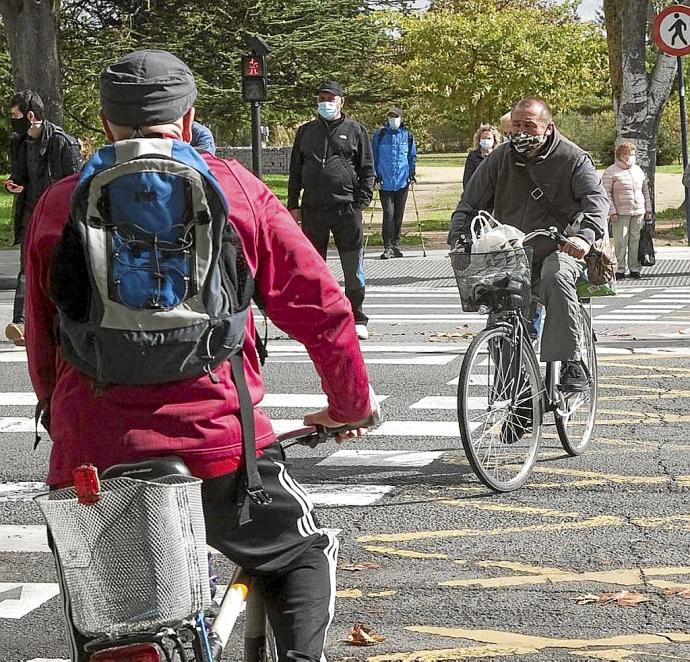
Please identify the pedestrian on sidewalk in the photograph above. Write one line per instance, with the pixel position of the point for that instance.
(202, 138)
(40, 153)
(486, 139)
(395, 161)
(332, 167)
(628, 191)
(506, 125)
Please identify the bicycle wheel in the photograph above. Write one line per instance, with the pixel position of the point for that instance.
(576, 413)
(499, 409)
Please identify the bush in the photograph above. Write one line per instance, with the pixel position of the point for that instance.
(595, 133)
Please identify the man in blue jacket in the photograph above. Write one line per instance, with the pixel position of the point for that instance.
(395, 160)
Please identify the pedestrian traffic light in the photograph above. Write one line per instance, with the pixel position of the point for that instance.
(254, 87)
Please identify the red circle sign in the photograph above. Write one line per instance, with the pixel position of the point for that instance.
(671, 30)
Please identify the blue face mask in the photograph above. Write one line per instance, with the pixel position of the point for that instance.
(328, 109)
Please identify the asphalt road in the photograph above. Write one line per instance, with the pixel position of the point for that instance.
(456, 572)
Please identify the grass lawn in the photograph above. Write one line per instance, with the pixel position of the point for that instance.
(6, 232)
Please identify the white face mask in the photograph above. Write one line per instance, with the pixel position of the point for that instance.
(631, 160)
(394, 123)
(486, 143)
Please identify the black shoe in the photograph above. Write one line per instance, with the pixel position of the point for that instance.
(636, 275)
(387, 254)
(396, 252)
(620, 275)
(573, 377)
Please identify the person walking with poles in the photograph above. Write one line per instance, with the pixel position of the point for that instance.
(331, 166)
(395, 160)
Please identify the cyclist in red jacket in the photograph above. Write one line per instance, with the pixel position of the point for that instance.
(151, 93)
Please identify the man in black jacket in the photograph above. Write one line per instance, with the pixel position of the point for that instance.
(40, 153)
(333, 168)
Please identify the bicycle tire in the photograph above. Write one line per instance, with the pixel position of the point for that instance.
(494, 383)
(575, 443)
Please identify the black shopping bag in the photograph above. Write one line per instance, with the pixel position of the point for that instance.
(645, 253)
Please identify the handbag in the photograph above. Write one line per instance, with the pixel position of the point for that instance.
(645, 253)
(601, 260)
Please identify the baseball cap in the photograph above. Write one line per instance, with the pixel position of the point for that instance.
(332, 86)
(147, 87)
(395, 111)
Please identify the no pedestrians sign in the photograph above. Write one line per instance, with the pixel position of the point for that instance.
(671, 30)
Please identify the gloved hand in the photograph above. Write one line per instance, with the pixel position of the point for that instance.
(413, 179)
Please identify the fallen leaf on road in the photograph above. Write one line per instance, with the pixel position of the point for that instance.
(622, 599)
(681, 591)
(360, 565)
(363, 635)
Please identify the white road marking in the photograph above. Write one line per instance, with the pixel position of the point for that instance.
(17, 600)
(18, 399)
(337, 494)
(299, 400)
(369, 458)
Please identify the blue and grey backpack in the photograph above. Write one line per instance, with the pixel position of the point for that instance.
(168, 288)
(150, 279)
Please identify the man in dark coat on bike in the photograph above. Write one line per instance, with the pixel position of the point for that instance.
(150, 94)
(537, 180)
(332, 166)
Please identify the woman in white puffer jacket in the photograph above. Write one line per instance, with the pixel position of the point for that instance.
(626, 186)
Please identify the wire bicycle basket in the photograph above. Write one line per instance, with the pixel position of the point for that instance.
(136, 559)
(494, 282)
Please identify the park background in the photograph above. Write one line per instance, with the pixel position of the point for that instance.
(450, 64)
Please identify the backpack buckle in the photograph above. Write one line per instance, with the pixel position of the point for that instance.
(259, 495)
(537, 193)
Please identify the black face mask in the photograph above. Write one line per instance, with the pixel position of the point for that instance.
(19, 125)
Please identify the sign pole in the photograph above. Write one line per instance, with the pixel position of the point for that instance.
(684, 139)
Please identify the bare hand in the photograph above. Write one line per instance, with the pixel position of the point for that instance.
(613, 218)
(12, 187)
(297, 215)
(322, 418)
(576, 246)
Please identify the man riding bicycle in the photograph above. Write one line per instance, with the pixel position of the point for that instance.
(538, 180)
(150, 94)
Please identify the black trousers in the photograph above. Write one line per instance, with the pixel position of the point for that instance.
(292, 559)
(393, 206)
(345, 222)
(18, 310)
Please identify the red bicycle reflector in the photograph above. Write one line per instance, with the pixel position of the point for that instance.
(148, 652)
(87, 484)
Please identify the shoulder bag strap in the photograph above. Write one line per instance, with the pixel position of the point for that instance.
(537, 193)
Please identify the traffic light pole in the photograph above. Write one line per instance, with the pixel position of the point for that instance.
(257, 168)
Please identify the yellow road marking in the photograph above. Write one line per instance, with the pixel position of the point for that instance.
(522, 567)
(382, 594)
(406, 553)
(594, 522)
(450, 654)
(610, 655)
(349, 593)
(623, 577)
(612, 478)
(654, 522)
(508, 508)
(502, 638)
(662, 392)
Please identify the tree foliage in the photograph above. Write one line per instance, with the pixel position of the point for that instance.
(476, 65)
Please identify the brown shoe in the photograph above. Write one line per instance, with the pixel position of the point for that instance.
(15, 333)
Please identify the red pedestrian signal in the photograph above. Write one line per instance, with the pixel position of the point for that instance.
(253, 66)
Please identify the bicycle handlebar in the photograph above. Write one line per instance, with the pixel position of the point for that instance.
(552, 233)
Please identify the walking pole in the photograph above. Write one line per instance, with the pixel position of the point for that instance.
(371, 221)
(419, 223)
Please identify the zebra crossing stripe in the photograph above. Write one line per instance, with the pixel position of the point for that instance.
(371, 458)
(17, 599)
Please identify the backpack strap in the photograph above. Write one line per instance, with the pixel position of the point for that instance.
(255, 489)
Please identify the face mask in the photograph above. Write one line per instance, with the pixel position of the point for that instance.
(631, 160)
(328, 109)
(486, 143)
(20, 124)
(394, 122)
(524, 143)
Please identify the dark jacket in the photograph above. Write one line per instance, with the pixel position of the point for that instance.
(474, 159)
(565, 174)
(60, 157)
(331, 172)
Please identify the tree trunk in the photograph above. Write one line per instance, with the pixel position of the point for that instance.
(31, 29)
(638, 96)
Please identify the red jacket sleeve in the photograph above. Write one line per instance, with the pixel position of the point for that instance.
(45, 228)
(301, 295)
